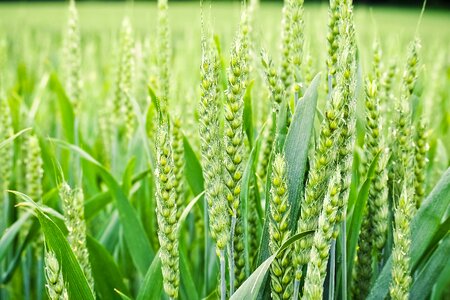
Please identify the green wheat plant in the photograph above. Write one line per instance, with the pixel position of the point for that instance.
(218, 151)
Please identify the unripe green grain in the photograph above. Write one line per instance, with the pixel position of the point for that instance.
(178, 159)
(286, 66)
(420, 161)
(239, 251)
(267, 146)
(362, 270)
(281, 271)
(234, 143)
(336, 141)
(401, 278)
(386, 91)
(317, 265)
(122, 106)
(373, 232)
(72, 57)
(166, 211)
(403, 154)
(346, 79)
(234, 105)
(211, 146)
(297, 39)
(372, 135)
(373, 144)
(106, 136)
(278, 93)
(253, 225)
(163, 59)
(376, 74)
(274, 82)
(332, 40)
(6, 157)
(34, 171)
(55, 283)
(6, 152)
(374, 227)
(76, 225)
(379, 208)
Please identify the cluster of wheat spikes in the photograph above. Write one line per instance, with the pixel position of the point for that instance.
(281, 185)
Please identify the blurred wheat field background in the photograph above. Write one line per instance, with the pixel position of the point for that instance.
(224, 151)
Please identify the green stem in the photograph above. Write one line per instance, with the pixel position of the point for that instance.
(223, 283)
(207, 244)
(231, 253)
(331, 284)
(296, 289)
(344, 257)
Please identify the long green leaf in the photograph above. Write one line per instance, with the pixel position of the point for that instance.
(13, 137)
(74, 279)
(193, 168)
(18, 252)
(250, 288)
(296, 151)
(67, 113)
(10, 233)
(297, 145)
(356, 217)
(135, 236)
(152, 285)
(442, 284)
(424, 281)
(188, 288)
(188, 209)
(103, 263)
(244, 196)
(96, 203)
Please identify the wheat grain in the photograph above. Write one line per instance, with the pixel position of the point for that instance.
(401, 278)
(55, 283)
(166, 210)
(76, 225)
(72, 57)
(317, 265)
(281, 269)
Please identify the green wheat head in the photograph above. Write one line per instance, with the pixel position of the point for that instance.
(55, 283)
(178, 159)
(34, 171)
(318, 259)
(420, 161)
(6, 153)
(281, 271)
(166, 210)
(401, 278)
(73, 204)
(72, 57)
(163, 59)
(122, 106)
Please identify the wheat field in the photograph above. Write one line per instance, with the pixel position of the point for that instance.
(224, 151)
